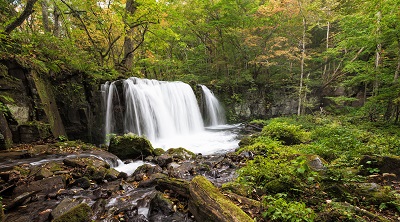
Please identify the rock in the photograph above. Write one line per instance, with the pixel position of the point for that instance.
(80, 213)
(206, 203)
(159, 151)
(145, 170)
(316, 163)
(380, 164)
(181, 154)
(74, 163)
(20, 200)
(161, 205)
(163, 160)
(3, 145)
(82, 182)
(64, 206)
(42, 173)
(130, 146)
(45, 186)
(180, 187)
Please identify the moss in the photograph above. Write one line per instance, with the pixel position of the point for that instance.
(80, 213)
(229, 209)
(181, 153)
(159, 151)
(130, 146)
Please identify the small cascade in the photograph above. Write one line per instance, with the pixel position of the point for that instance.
(213, 112)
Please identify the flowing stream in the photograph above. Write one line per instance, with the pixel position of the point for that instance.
(168, 114)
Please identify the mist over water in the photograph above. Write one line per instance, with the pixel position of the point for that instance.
(168, 114)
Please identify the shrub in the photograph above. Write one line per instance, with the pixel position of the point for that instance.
(278, 209)
(289, 134)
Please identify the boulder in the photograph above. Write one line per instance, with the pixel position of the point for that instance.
(208, 204)
(79, 213)
(130, 146)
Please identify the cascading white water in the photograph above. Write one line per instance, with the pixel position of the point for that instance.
(159, 109)
(213, 111)
(167, 113)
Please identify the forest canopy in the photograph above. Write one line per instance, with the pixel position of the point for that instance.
(304, 46)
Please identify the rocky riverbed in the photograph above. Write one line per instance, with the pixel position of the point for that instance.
(73, 182)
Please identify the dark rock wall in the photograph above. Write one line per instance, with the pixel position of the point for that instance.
(35, 106)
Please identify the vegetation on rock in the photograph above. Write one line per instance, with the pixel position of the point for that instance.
(130, 146)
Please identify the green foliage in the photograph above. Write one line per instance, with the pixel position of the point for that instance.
(288, 133)
(279, 209)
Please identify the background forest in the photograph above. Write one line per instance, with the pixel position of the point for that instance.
(346, 50)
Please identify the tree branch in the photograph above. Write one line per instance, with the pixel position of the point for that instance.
(25, 14)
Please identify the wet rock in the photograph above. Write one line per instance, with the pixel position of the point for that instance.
(130, 146)
(182, 171)
(42, 173)
(160, 205)
(163, 160)
(208, 204)
(180, 187)
(181, 154)
(80, 213)
(82, 182)
(74, 163)
(45, 186)
(20, 200)
(64, 206)
(145, 171)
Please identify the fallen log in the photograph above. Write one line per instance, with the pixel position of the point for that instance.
(208, 204)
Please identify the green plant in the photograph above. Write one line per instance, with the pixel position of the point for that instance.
(288, 133)
(279, 209)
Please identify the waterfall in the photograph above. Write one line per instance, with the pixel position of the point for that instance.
(155, 109)
(212, 110)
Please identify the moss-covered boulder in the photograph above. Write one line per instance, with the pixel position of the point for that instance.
(80, 213)
(208, 204)
(181, 153)
(130, 146)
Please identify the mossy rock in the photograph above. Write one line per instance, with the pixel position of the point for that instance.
(278, 186)
(159, 151)
(207, 203)
(80, 213)
(130, 146)
(181, 153)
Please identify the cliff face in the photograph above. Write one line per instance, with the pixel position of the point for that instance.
(34, 106)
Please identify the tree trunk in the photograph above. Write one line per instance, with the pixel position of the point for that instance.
(56, 30)
(45, 15)
(127, 62)
(21, 18)
(303, 55)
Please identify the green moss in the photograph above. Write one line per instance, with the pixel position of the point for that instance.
(80, 213)
(159, 151)
(181, 153)
(227, 206)
(130, 146)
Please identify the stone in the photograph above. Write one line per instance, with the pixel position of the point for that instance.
(163, 160)
(80, 213)
(82, 182)
(43, 173)
(316, 163)
(181, 154)
(130, 146)
(45, 186)
(64, 206)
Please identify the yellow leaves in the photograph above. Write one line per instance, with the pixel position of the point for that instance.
(274, 7)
